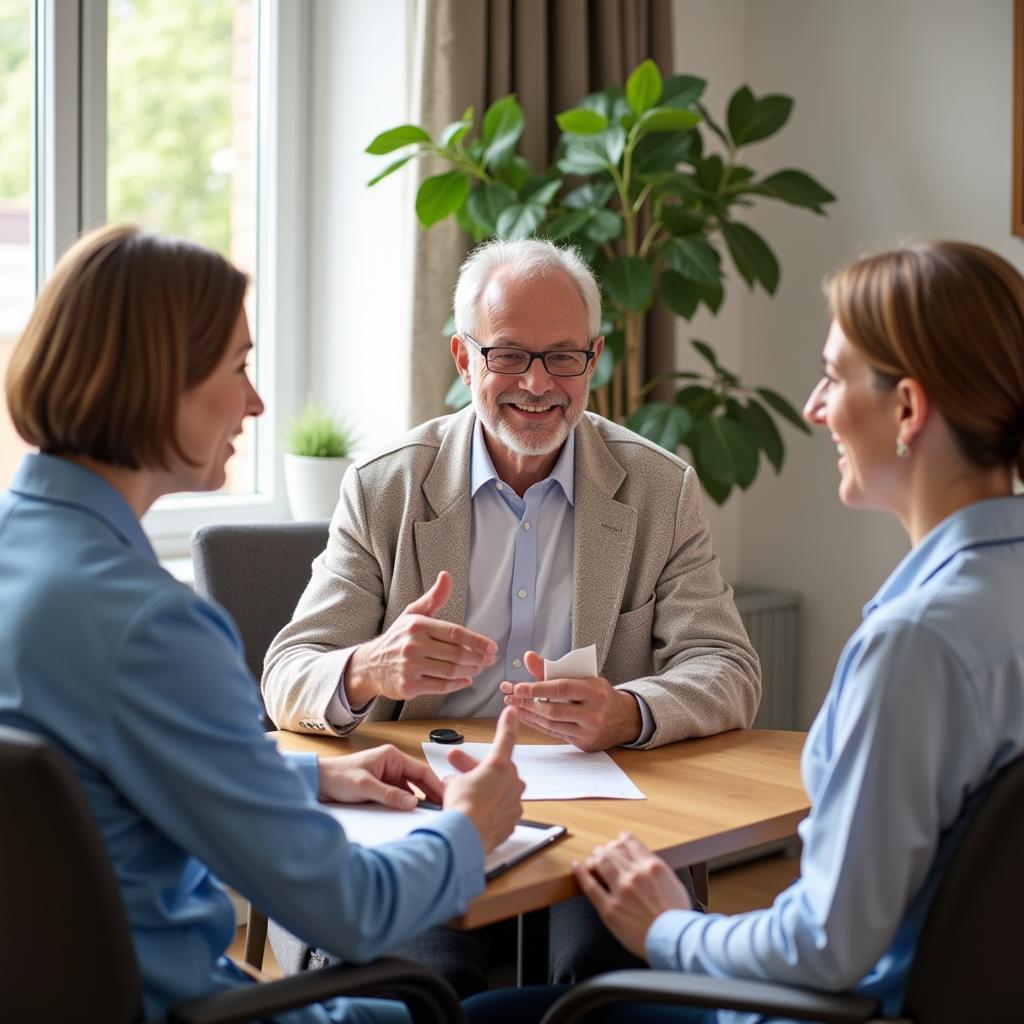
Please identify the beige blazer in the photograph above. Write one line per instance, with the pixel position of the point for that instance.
(646, 584)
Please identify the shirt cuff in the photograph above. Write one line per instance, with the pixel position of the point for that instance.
(467, 851)
(646, 722)
(308, 766)
(338, 712)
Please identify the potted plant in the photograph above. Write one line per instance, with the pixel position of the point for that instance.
(319, 448)
(635, 183)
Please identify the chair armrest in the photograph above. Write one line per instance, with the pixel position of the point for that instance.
(429, 998)
(699, 990)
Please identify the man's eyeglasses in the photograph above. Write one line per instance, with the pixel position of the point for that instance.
(559, 362)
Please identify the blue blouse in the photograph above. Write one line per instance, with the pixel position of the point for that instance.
(143, 686)
(927, 704)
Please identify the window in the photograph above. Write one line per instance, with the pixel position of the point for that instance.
(17, 254)
(178, 117)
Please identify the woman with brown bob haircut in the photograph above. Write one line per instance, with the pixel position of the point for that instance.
(923, 397)
(131, 379)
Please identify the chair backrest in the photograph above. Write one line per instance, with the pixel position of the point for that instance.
(66, 949)
(257, 571)
(969, 953)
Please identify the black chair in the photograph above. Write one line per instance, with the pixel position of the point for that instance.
(66, 949)
(967, 961)
(257, 571)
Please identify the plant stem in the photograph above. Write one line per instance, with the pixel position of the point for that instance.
(649, 239)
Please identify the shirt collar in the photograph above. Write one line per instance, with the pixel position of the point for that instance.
(53, 479)
(981, 524)
(482, 470)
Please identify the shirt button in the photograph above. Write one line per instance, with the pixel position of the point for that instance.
(500, 486)
(522, 593)
(516, 663)
(526, 526)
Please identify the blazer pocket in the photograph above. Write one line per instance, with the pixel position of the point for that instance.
(637, 618)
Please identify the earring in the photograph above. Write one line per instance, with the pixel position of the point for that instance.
(902, 449)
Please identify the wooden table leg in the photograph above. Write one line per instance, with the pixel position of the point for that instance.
(255, 938)
(532, 948)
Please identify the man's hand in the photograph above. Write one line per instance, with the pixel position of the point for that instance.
(589, 713)
(630, 887)
(488, 792)
(381, 775)
(418, 654)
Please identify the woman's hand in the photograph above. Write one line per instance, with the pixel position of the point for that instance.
(630, 887)
(381, 775)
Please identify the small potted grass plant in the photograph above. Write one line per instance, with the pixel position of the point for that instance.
(318, 452)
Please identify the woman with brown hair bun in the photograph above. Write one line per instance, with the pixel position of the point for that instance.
(923, 396)
(131, 379)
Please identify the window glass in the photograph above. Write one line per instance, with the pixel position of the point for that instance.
(181, 101)
(17, 260)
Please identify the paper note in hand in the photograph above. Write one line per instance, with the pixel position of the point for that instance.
(578, 664)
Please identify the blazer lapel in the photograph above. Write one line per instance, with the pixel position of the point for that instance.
(605, 530)
(443, 542)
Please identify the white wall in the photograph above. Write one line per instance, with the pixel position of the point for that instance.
(903, 109)
(360, 239)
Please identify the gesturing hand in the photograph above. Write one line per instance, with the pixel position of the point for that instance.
(418, 654)
(380, 775)
(488, 792)
(630, 887)
(589, 713)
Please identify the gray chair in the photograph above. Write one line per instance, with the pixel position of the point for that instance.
(66, 949)
(257, 571)
(965, 967)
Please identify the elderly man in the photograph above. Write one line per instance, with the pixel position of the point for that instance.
(517, 530)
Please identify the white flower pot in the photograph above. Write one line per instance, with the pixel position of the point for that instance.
(313, 484)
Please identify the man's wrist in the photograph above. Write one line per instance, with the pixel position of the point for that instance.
(633, 720)
(359, 689)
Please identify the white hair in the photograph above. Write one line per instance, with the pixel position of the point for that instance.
(524, 259)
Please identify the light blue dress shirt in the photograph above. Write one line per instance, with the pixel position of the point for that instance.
(927, 704)
(143, 686)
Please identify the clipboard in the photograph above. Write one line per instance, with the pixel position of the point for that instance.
(371, 825)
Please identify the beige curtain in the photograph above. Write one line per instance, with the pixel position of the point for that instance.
(550, 53)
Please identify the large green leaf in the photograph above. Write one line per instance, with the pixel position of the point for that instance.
(664, 424)
(706, 352)
(679, 294)
(503, 125)
(603, 226)
(753, 258)
(751, 119)
(681, 221)
(544, 192)
(795, 187)
(783, 407)
(515, 173)
(725, 450)
(667, 119)
(581, 121)
(713, 297)
(390, 169)
(698, 399)
(694, 258)
(664, 151)
(456, 131)
(628, 281)
(440, 196)
(710, 172)
(718, 493)
(763, 427)
(396, 138)
(520, 220)
(681, 90)
(567, 224)
(643, 87)
(584, 156)
(594, 193)
(486, 203)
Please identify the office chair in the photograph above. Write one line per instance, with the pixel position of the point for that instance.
(66, 949)
(967, 964)
(257, 571)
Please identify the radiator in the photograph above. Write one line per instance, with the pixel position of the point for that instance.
(772, 621)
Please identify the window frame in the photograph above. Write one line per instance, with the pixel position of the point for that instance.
(70, 197)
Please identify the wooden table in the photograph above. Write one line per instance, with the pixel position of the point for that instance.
(705, 798)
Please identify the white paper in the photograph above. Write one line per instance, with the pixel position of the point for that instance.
(578, 664)
(557, 771)
(372, 825)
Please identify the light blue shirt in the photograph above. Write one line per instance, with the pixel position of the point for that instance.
(143, 686)
(927, 704)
